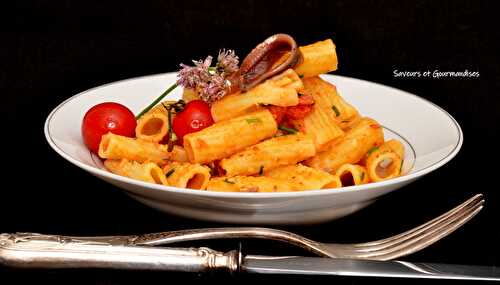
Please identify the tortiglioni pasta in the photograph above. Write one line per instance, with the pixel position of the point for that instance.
(269, 154)
(280, 90)
(228, 137)
(385, 162)
(148, 171)
(351, 148)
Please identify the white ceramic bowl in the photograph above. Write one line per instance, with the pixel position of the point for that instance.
(431, 137)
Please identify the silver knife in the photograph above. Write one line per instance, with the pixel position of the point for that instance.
(28, 250)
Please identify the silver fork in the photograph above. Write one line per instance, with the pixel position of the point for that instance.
(385, 249)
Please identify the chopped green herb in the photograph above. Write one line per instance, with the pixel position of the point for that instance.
(261, 170)
(401, 166)
(157, 100)
(301, 76)
(230, 182)
(288, 130)
(170, 172)
(369, 152)
(362, 176)
(253, 120)
(337, 112)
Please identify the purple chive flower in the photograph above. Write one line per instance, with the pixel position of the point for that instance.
(214, 89)
(227, 60)
(191, 76)
(210, 82)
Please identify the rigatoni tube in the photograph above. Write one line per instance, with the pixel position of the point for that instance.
(225, 138)
(148, 172)
(302, 177)
(117, 147)
(269, 154)
(325, 95)
(324, 121)
(248, 184)
(351, 148)
(351, 174)
(318, 58)
(280, 90)
(386, 161)
(152, 127)
(187, 175)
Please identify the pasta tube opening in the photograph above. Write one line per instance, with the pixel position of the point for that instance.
(346, 179)
(385, 166)
(196, 182)
(350, 175)
(187, 175)
(386, 161)
(152, 127)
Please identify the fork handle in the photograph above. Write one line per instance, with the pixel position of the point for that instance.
(163, 238)
(28, 250)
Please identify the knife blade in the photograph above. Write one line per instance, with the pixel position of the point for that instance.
(365, 268)
(30, 250)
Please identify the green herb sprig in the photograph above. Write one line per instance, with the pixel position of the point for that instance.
(290, 131)
(337, 112)
(371, 150)
(156, 101)
(170, 172)
(253, 120)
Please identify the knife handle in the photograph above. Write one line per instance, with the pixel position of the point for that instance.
(27, 250)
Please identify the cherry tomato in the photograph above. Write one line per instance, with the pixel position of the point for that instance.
(104, 118)
(195, 117)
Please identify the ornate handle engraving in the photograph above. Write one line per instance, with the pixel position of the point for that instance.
(53, 251)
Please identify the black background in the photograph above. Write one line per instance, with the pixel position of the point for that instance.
(51, 50)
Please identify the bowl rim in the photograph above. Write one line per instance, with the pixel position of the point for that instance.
(295, 194)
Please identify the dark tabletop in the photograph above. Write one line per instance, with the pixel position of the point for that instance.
(51, 50)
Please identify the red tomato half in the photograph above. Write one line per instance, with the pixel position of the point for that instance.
(104, 118)
(195, 117)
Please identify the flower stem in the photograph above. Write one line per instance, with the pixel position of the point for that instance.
(170, 89)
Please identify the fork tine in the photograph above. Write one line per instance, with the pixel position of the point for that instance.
(477, 199)
(415, 235)
(428, 241)
(421, 241)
